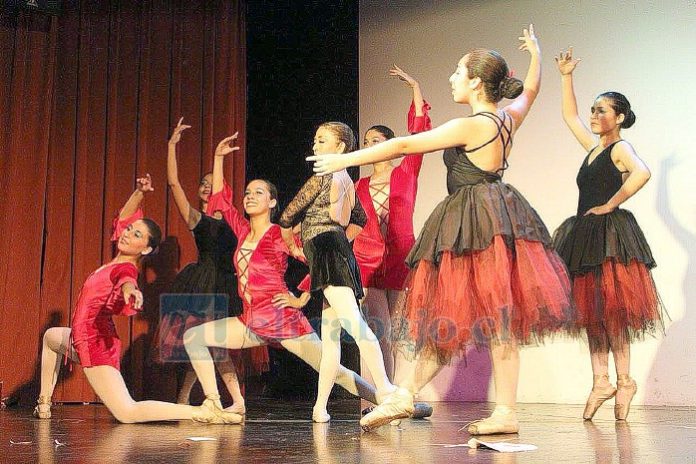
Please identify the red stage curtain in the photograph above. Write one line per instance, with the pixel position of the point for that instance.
(87, 100)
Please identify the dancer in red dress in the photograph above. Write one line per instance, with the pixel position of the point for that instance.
(603, 246)
(483, 271)
(199, 283)
(93, 342)
(388, 196)
(271, 313)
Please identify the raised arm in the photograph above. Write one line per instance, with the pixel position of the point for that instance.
(189, 214)
(625, 159)
(418, 101)
(520, 106)
(569, 106)
(224, 148)
(143, 185)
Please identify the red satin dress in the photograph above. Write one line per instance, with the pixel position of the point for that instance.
(265, 277)
(94, 336)
(382, 258)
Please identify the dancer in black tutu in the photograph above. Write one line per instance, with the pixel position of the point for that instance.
(193, 292)
(483, 271)
(603, 246)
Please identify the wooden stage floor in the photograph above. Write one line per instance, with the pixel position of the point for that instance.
(282, 432)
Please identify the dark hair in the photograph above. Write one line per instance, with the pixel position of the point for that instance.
(620, 105)
(155, 234)
(386, 132)
(273, 192)
(493, 71)
(343, 132)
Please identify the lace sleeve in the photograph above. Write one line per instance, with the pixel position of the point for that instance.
(358, 215)
(294, 212)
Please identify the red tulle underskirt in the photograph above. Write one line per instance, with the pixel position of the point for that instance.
(499, 293)
(617, 299)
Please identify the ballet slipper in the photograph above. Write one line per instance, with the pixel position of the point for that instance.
(211, 412)
(626, 391)
(398, 405)
(320, 415)
(421, 410)
(503, 420)
(42, 410)
(237, 408)
(601, 392)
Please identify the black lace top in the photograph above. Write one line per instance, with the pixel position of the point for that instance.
(311, 207)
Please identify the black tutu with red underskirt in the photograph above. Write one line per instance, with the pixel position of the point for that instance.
(482, 270)
(609, 259)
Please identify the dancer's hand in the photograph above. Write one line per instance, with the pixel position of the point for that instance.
(529, 41)
(132, 295)
(176, 135)
(227, 146)
(327, 164)
(565, 62)
(398, 72)
(144, 184)
(285, 300)
(600, 210)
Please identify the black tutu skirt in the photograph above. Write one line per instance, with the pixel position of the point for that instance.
(332, 262)
(586, 242)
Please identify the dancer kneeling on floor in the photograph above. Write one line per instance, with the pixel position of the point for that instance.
(92, 340)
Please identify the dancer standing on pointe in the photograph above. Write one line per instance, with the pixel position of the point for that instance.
(388, 196)
(198, 283)
(92, 340)
(271, 313)
(603, 246)
(325, 206)
(482, 270)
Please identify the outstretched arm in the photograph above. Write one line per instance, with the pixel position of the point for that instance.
(453, 133)
(625, 159)
(519, 108)
(143, 185)
(569, 106)
(189, 214)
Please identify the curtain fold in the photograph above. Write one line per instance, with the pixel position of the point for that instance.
(87, 102)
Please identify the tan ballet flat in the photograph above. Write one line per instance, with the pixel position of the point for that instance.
(503, 420)
(211, 412)
(627, 389)
(42, 410)
(398, 405)
(598, 396)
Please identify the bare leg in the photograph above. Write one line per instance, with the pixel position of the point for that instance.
(227, 333)
(56, 342)
(308, 349)
(330, 360)
(342, 301)
(108, 384)
(187, 385)
(378, 314)
(602, 389)
(626, 386)
(505, 358)
(228, 373)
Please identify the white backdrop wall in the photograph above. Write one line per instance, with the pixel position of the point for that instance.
(644, 49)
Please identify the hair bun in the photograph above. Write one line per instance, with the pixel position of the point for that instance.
(629, 119)
(511, 87)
